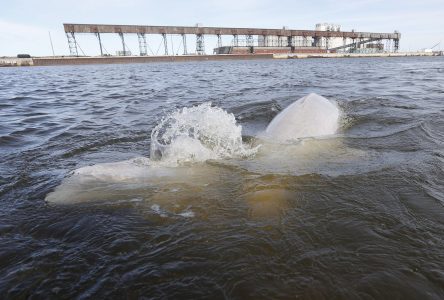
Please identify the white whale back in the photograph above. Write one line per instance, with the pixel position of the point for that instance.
(310, 116)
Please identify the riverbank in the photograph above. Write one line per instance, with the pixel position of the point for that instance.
(67, 60)
(94, 60)
(353, 55)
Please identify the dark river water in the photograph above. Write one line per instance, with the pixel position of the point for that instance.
(356, 215)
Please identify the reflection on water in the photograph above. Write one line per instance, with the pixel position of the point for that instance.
(358, 214)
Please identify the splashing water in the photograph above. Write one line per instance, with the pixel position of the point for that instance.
(198, 133)
(194, 134)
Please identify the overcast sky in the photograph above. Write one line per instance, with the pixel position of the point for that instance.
(24, 24)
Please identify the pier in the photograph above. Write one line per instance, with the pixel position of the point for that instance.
(326, 39)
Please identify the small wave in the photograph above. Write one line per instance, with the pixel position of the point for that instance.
(20, 98)
(433, 132)
(421, 129)
(101, 142)
(10, 140)
(396, 131)
(187, 213)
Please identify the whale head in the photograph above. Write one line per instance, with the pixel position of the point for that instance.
(310, 116)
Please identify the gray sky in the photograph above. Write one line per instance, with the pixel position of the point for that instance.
(24, 24)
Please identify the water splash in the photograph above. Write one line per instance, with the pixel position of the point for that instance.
(198, 133)
(194, 134)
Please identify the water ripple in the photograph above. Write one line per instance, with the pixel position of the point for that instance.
(360, 216)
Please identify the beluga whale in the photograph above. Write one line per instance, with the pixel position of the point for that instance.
(188, 148)
(310, 116)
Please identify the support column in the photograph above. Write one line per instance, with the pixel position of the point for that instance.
(318, 41)
(100, 43)
(142, 44)
(184, 41)
(279, 41)
(289, 41)
(219, 41)
(265, 44)
(249, 40)
(380, 46)
(72, 44)
(165, 43)
(396, 45)
(308, 41)
(200, 44)
(235, 40)
(123, 43)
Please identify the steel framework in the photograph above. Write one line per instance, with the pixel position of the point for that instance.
(219, 41)
(200, 44)
(184, 42)
(142, 44)
(285, 37)
(72, 44)
(165, 43)
(249, 40)
(100, 43)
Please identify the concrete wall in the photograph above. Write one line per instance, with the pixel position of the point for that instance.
(15, 62)
(299, 53)
(141, 59)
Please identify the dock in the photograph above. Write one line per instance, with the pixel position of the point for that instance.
(326, 38)
(97, 60)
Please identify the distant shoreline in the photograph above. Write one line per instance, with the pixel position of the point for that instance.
(92, 60)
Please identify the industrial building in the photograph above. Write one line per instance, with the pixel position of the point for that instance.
(326, 38)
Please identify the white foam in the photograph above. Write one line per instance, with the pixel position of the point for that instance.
(187, 214)
(310, 116)
(156, 208)
(198, 133)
